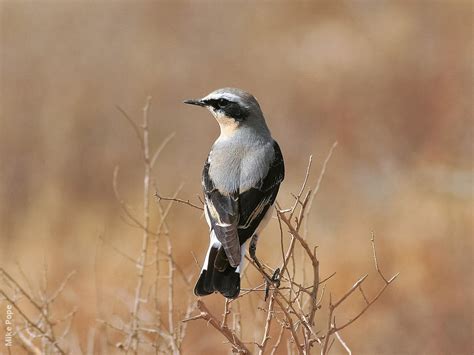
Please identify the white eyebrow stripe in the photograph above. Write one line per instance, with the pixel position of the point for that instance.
(226, 95)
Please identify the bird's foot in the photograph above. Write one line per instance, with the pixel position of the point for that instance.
(274, 280)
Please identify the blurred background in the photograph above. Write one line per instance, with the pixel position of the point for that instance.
(390, 81)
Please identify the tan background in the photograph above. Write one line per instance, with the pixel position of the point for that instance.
(390, 81)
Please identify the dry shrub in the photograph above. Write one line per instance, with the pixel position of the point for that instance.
(152, 324)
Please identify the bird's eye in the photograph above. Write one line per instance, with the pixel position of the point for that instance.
(222, 103)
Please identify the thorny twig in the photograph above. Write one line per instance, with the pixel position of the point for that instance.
(178, 200)
(138, 331)
(206, 315)
(43, 327)
(332, 328)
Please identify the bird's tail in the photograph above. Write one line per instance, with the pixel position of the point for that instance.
(218, 275)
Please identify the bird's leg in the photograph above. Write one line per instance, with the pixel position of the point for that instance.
(253, 250)
(275, 278)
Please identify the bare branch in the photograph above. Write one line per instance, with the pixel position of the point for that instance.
(277, 343)
(372, 240)
(320, 179)
(22, 291)
(133, 339)
(332, 328)
(133, 124)
(225, 331)
(226, 312)
(161, 148)
(185, 202)
(27, 343)
(31, 323)
(303, 186)
(61, 287)
(117, 250)
(344, 345)
(122, 202)
(268, 323)
(349, 292)
(377, 296)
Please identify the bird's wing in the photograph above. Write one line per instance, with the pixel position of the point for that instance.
(223, 212)
(255, 202)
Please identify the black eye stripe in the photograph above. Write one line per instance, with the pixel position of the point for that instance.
(219, 103)
(222, 102)
(230, 108)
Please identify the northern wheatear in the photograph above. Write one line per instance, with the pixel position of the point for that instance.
(241, 178)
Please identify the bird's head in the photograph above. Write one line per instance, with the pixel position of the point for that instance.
(232, 108)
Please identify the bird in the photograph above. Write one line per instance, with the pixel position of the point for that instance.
(240, 180)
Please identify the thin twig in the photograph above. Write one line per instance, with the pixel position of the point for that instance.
(185, 202)
(225, 331)
(61, 287)
(133, 338)
(268, 323)
(372, 240)
(133, 124)
(371, 302)
(277, 343)
(161, 148)
(332, 328)
(303, 186)
(318, 184)
(226, 312)
(31, 323)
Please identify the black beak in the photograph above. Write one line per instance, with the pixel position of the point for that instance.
(195, 102)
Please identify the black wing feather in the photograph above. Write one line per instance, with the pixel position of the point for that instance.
(255, 202)
(223, 212)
